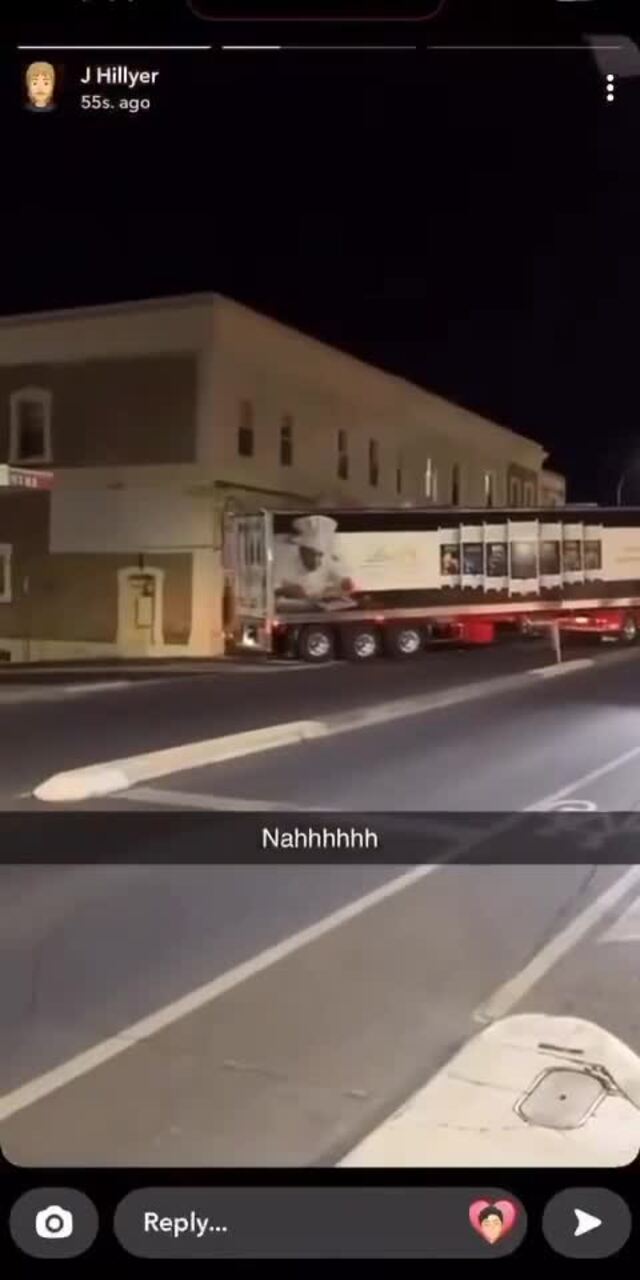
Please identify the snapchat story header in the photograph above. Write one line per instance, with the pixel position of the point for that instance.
(90, 87)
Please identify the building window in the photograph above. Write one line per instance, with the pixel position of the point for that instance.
(343, 455)
(430, 482)
(529, 494)
(30, 426)
(5, 573)
(489, 489)
(286, 441)
(455, 485)
(374, 463)
(515, 492)
(245, 430)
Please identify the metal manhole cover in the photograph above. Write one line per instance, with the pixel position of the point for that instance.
(562, 1098)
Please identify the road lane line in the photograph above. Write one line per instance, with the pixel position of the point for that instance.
(585, 780)
(192, 800)
(507, 996)
(626, 927)
(109, 777)
(87, 1061)
(562, 668)
(80, 1065)
(103, 685)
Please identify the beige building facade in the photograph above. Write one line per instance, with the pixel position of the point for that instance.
(553, 488)
(157, 418)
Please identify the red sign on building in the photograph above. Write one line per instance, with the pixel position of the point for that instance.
(24, 478)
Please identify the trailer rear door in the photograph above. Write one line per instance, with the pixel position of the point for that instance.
(248, 565)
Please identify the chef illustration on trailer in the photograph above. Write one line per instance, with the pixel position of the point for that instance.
(308, 567)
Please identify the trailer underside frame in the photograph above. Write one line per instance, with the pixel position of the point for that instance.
(402, 633)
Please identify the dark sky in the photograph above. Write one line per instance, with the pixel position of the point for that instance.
(468, 220)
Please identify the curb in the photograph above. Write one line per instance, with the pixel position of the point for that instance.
(118, 775)
(95, 781)
(466, 1115)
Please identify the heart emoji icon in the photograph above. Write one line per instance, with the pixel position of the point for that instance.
(492, 1219)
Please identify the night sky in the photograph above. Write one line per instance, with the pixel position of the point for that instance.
(470, 221)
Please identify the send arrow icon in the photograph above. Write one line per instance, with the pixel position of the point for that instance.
(586, 1222)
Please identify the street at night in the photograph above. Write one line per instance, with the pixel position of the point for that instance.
(323, 1037)
(319, 625)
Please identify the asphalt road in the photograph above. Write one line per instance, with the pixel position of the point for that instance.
(291, 1056)
(47, 728)
(499, 753)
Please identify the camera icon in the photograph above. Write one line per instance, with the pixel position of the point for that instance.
(54, 1223)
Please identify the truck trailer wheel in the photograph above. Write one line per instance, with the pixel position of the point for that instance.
(360, 643)
(403, 642)
(629, 630)
(316, 644)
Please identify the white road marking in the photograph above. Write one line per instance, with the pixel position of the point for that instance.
(107, 777)
(102, 685)
(562, 668)
(502, 1000)
(601, 772)
(575, 806)
(270, 667)
(191, 800)
(626, 928)
(26, 1095)
(40, 1087)
(57, 692)
(513, 991)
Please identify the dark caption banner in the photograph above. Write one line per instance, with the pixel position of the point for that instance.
(348, 839)
(320, 10)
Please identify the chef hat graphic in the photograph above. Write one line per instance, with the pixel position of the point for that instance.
(315, 532)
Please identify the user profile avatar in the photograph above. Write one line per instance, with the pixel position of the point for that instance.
(493, 1220)
(40, 83)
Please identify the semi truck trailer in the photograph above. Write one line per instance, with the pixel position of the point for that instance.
(358, 583)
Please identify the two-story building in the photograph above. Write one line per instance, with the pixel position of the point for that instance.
(158, 417)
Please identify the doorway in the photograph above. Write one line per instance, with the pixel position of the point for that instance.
(139, 611)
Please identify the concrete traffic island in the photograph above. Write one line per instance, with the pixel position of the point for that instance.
(110, 777)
